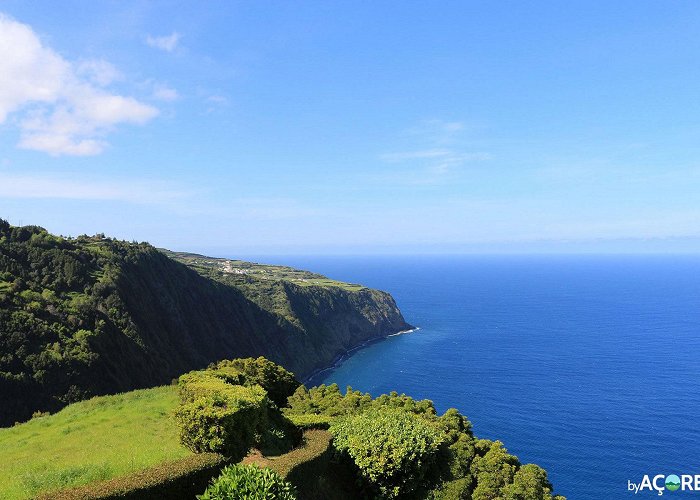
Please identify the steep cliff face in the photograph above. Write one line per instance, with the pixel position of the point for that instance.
(337, 320)
(191, 320)
(89, 316)
(321, 318)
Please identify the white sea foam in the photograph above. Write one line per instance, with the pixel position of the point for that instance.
(404, 332)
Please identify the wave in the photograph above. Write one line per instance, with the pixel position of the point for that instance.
(403, 332)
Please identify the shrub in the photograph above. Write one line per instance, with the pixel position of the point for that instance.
(278, 382)
(529, 483)
(310, 421)
(393, 449)
(198, 384)
(321, 400)
(218, 414)
(219, 417)
(453, 490)
(248, 482)
(330, 401)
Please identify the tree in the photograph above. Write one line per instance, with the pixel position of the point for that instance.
(529, 483)
(493, 471)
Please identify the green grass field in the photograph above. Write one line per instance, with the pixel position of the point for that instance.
(218, 268)
(98, 439)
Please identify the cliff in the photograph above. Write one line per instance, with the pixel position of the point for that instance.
(91, 315)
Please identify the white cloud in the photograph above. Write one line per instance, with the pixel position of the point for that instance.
(165, 93)
(42, 186)
(66, 109)
(98, 72)
(167, 43)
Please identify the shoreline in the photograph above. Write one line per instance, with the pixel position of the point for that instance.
(338, 360)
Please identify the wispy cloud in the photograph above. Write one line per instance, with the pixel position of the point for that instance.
(67, 109)
(443, 154)
(414, 155)
(216, 102)
(438, 132)
(98, 71)
(164, 93)
(50, 186)
(442, 158)
(167, 43)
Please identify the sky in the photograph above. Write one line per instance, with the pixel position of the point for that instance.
(365, 127)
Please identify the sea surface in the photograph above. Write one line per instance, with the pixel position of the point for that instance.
(586, 365)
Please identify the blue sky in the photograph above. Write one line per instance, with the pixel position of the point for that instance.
(355, 127)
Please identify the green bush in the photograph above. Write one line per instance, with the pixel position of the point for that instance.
(198, 384)
(218, 417)
(453, 490)
(310, 421)
(218, 414)
(278, 382)
(248, 482)
(393, 449)
(529, 483)
(322, 400)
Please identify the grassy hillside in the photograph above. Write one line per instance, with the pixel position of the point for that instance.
(93, 440)
(86, 316)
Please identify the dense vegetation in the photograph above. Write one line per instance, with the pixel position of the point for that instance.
(91, 315)
(394, 446)
(400, 448)
(353, 445)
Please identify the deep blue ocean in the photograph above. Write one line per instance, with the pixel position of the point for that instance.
(586, 365)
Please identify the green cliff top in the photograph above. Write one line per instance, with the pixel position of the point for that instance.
(233, 271)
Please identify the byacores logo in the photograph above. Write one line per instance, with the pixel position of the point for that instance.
(661, 483)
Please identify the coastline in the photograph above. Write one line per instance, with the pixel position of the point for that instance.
(339, 359)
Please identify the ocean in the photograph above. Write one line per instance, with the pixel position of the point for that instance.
(586, 365)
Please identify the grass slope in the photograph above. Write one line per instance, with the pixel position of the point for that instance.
(93, 440)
